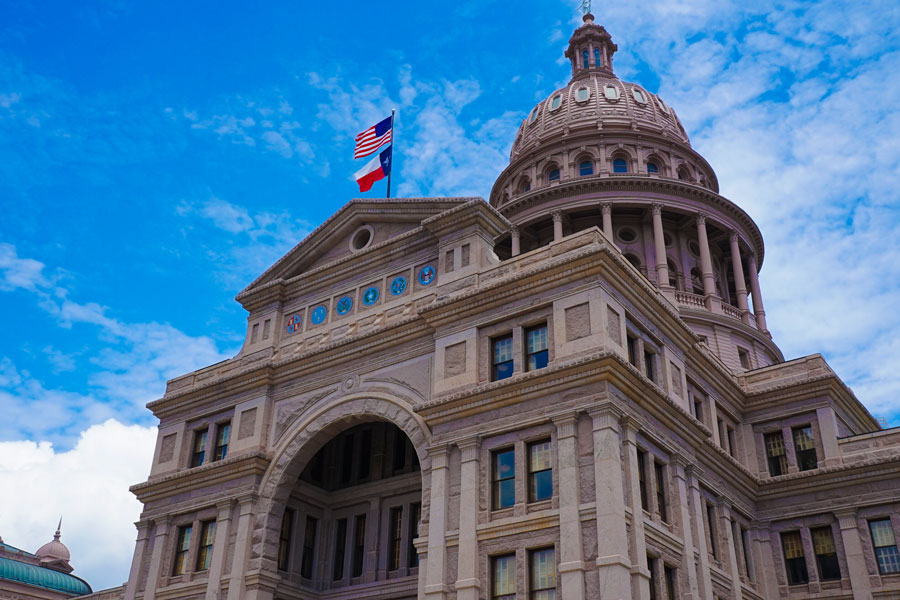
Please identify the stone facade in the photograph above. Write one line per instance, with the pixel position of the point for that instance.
(569, 392)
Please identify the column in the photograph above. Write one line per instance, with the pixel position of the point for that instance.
(662, 267)
(828, 434)
(704, 581)
(758, 309)
(373, 529)
(571, 552)
(217, 562)
(706, 269)
(763, 558)
(137, 562)
(739, 283)
(436, 587)
(159, 550)
(714, 420)
(467, 583)
(640, 574)
(515, 237)
(732, 551)
(680, 487)
(241, 546)
(613, 563)
(856, 561)
(606, 209)
(557, 225)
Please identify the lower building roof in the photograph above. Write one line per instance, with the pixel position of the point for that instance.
(13, 570)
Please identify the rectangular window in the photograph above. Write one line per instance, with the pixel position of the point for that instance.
(642, 478)
(395, 538)
(254, 333)
(712, 529)
(347, 458)
(223, 434)
(540, 471)
(359, 544)
(537, 355)
(745, 546)
(632, 350)
(503, 577)
(744, 357)
(805, 447)
(543, 574)
(504, 478)
(671, 577)
(199, 451)
(502, 357)
(660, 472)
(794, 560)
(448, 261)
(654, 578)
(182, 545)
(365, 455)
(207, 535)
(267, 328)
(826, 553)
(650, 365)
(415, 515)
(775, 454)
(284, 539)
(340, 546)
(885, 546)
(698, 410)
(732, 442)
(307, 561)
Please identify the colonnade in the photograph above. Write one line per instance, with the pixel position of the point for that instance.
(706, 266)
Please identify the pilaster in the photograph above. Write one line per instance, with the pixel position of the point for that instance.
(682, 492)
(571, 556)
(640, 574)
(137, 562)
(217, 562)
(241, 546)
(856, 561)
(467, 584)
(704, 581)
(159, 549)
(436, 587)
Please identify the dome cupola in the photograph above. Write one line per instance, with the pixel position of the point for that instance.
(54, 554)
(591, 50)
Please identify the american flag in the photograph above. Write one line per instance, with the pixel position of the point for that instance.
(374, 138)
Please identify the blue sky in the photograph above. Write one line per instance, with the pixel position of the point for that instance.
(154, 158)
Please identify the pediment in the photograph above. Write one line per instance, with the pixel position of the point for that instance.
(358, 227)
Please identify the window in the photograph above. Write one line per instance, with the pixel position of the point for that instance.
(555, 102)
(620, 165)
(652, 167)
(199, 452)
(553, 175)
(540, 471)
(536, 340)
(584, 59)
(359, 545)
(597, 57)
(639, 96)
(586, 167)
(698, 409)
(533, 116)
(826, 553)
(794, 561)
(415, 514)
(683, 174)
(632, 350)
(662, 105)
(582, 93)
(504, 479)
(671, 577)
(744, 357)
(885, 546)
(182, 545)
(396, 536)
(503, 577)
(805, 448)
(775, 454)
(207, 535)
(223, 434)
(660, 472)
(502, 354)
(340, 544)
(711, 528)
(732, 444)
(611, 92)
(642, 478)
(284, 539)
(745, 546)
(650, 365)
(543, 574)
(653, 567)
(309, 548)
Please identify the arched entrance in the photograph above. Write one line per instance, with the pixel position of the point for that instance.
(342, 502)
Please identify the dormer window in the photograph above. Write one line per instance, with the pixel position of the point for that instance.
(533, 116)
(662, 105)
(582, 93)
(555, 102)
(639, 96)
(597, 56)
(611, 92)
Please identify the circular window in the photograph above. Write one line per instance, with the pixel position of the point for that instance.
(398, 285)
(611, 92)
(694, 248)
(361, 238)
(370, 296)
(582, 93)
(627, 235)
(318, 315)
(344, 305)
(426, 275)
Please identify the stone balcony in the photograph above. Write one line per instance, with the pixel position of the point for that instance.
(715, 305)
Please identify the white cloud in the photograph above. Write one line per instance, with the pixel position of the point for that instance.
(15, 272)
(88, 487)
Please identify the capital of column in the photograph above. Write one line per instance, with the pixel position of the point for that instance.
(606, 208)
(733, 236)
(606, 416)
(701, 219)
(557, 216)
(565, 425)
(656, 208)
(846, 518)
(514, 230)
(438, 457)
(468, 449)
(225, 507)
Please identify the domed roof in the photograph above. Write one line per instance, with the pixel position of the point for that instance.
(54, 553)
(595, 99)
(22, 572)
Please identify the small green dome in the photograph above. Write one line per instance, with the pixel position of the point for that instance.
(13, 570)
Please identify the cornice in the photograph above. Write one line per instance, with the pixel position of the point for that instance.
(254, 463)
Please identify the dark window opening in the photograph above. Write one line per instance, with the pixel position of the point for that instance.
(359, 545)
(620, 165)
(340, 545)
(307, 561)
(182, 545)
(415, 515)
(776, 454)
(395, 538)
(794, 559)
(223, 435)
(284, 539)
(826, 554)
(660, 473)
(642, 478)
(805, 448)
(199, 450)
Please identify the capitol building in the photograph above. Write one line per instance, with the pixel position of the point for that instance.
(568, 392)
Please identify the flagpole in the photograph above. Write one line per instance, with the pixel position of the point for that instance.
(393, 138)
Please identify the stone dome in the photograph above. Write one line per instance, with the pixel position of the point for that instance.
(54, 553)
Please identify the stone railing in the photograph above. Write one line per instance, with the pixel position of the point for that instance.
(689, 299)
(791, 372)
(730, 311)
(882, 444)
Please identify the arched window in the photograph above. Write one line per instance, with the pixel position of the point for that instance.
(584, 59)
(597, 56)
(586, 167)
(620, 165)
(683, 174)
(634, 260)
(652, 167)
(524, 185)
(553, 175)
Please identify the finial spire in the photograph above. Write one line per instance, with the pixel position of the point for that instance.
(58, 528)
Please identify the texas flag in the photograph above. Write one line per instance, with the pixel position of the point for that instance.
(376, 169)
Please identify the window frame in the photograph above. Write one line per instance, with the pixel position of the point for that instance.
(495, 364)
(894, 556)
(495, 595)
(198, 448)
(620, 165)
(832, 557)
(358, 549)
(803, 456)
(308, 558)
(339, 557)
(285, 535)
(205, 545)
(533, 474)
(395, 538)
(546, 350)
(582, 172)
(775, 459)
(182, 549)
(659, 472)
(221, 445)
(498, 482)
(802, 572)
(541, 593)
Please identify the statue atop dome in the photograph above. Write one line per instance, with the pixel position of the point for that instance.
(585, 7)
